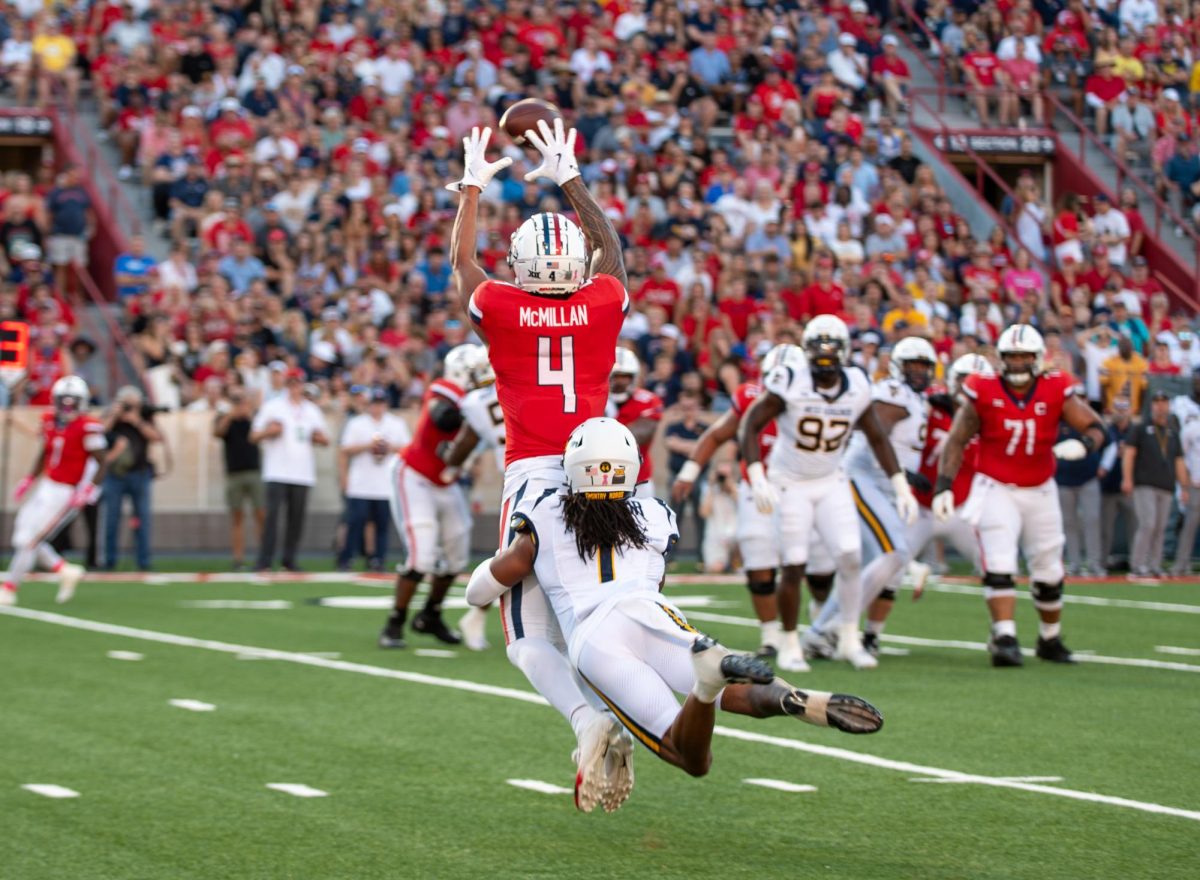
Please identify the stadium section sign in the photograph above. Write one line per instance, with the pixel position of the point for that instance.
(1026, 144)
(26, 125)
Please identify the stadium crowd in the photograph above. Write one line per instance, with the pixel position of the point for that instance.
(751, 157)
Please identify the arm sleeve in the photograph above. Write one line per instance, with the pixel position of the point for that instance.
(1108, 458)
(350, 434)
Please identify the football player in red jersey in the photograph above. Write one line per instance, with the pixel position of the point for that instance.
(1014, 501)
(778, 611)
(428, 506)
(554, 331)
(71, 465)
(638, 409)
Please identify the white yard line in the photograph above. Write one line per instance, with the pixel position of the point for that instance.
(1004, 778)
(539, 786)
(125, 655)
(527, 697)
(253, 655)
(297, 790)
(916, 641)
(780, 785)
(1182, 652)
(436, 652)
(239, 604)
(50, 791)
(193, 705)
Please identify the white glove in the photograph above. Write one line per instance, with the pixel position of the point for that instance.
(558, 153)
(766, 496)
(906, 502)
(477, 170)
(1070, 450)
(943, 505)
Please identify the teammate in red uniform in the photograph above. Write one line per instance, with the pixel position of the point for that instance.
(429, 507)
(1013, 501)
(71, 464)
(553, 332)
(638, 409)
(778, 612)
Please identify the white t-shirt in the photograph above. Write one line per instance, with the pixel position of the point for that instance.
(1113, 222)
(368, 474)
(289, 457)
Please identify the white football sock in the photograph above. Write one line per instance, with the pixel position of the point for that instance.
(1049, 630)
(1004, 628)
(772, 633)
(553, 676)
(875, 627)
(791, 642)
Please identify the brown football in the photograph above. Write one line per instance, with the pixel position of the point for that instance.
(523, 116)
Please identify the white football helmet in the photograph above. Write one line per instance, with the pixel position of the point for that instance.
(784, 353)
(459, 363)
(1021, 339)
(623, 377)
(481, 368)
(968, 365)
(70, 395)
(910, 350)
(826, 342)
(601, 458)
(548, 255)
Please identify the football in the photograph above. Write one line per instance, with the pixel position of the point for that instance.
(524, 115)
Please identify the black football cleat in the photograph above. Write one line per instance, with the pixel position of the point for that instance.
(392, 638)
(431, 624)
(839, 711)
(769, 653)
(1005, 651)
(870, 643)
(1055, 651)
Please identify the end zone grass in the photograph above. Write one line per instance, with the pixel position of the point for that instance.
(416, 772)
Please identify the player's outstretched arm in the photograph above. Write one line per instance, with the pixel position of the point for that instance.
(1080, 416)
(466, 272)
(719, 432)
(766, 408)
(493, 577)
(964, 427)
(459, 449)
(607, 258)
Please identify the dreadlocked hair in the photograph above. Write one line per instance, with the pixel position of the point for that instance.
(603, 522)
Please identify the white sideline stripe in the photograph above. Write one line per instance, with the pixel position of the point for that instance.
(192, 705)
(125, 655)
(780, 785)
(297, 790)
(894, 652)
(435, 652)
(239, 604)
(916, 641)
(1171, 649)
(1073, 598)
(527, 697)
(254, 655)
(538, 786)
(1004, 778)
(50, 791)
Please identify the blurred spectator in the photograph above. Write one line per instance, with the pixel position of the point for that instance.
(131, 433)
(1079, 498)
(682, 429)
(134, 270)
(287, 428)
(1114, 502)
(1152, 467)
(368, 446)
(718, 510)
(71, 224)
(243, 477)
(1123, 375)
(1189, 437)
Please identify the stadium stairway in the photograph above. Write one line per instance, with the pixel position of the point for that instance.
(955, 115)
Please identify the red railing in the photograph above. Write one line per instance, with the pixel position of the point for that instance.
(100, 172)
(938, 74)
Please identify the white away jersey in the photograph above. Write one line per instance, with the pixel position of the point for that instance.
(481, 409)
(907, 436)
(815, 429)
(575, 586)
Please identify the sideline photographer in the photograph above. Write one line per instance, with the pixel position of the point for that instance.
(129, 424)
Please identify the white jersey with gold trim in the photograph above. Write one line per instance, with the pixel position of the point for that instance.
(815, 429)
(481, 409)
(575, 586)
(907, 435)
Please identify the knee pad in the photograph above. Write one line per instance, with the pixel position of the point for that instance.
(1047, 597)
(998, 586)
(761, 586)
(888, 593)
(848, 564)
(820, 586)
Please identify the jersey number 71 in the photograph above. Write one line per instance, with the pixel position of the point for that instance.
(564, 376)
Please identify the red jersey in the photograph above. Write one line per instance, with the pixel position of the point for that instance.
(552, 356)
(642, 404)
(1017, 434)
(742, 398)
(69, 446)
(937, 430)
(421, 454)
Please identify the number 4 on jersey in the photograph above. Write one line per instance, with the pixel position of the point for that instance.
(564, 376)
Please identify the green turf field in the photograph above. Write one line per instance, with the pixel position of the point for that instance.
(414, 752)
